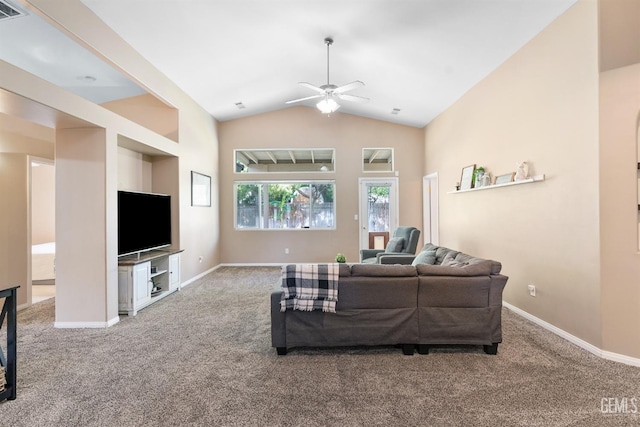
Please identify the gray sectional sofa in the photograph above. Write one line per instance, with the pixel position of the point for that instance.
(439, 297)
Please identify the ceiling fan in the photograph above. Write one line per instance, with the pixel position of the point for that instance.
(328, 92)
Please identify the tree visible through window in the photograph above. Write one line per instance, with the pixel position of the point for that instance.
(285, 205)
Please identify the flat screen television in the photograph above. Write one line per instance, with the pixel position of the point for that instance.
(144, 222)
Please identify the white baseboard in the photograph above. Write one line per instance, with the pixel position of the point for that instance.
(193, 279)
(76, 325)
(261, 264)
(608, 355)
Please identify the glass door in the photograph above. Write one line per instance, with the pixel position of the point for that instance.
(378, 211)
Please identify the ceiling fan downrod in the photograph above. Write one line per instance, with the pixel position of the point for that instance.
(328, 41)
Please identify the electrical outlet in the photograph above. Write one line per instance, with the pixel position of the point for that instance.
(286, 250)
(532, 290)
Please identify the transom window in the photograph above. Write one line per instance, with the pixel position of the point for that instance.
(377, 159)
(285, 160)
(284, 205)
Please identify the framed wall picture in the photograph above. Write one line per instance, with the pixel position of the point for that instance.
(466, 180)
(200, 189)
(503, 179)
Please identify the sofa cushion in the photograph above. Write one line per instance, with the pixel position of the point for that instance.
(496, 267)
(442, 252)
(344, 269)
(364, 293)
(395, 244)
(388, 270)
(425, 257)
(428, 247)
(481, 268)
(450, 260)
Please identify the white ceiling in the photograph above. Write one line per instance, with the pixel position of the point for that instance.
(419, 56)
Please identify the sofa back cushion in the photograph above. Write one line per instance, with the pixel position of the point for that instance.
(496, 266)
(427, 256)
(383, 270)
(361, 292)
(344, 269)
(450, 257)
(476, 269)
(454, 292)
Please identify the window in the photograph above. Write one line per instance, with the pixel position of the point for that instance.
(284, 205)
(377, 159)
(285, 160)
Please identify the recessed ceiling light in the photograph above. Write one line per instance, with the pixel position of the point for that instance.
(240, 105)
(395, 111)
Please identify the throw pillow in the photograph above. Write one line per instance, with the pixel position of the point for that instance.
(425, 257)
(395, 244)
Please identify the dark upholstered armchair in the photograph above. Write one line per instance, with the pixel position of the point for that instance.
(404, 241)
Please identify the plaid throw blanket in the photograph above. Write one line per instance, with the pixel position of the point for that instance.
(308, 287)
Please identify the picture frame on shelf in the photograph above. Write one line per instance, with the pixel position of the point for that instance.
(466, 179)
(200, 189)
(504, 179)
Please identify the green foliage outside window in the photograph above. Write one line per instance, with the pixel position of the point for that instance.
(285, 205)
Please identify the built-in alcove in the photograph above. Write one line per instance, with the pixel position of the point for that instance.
(143, 168)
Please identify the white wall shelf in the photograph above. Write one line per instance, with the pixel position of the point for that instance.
(536, 178)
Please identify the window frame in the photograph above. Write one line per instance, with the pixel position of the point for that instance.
(378, 170)
(317, 165)
(266, 183)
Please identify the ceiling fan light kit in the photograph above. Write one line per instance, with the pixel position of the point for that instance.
(328, 92)
(327, 106)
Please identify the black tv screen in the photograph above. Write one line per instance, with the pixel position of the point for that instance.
(144, 221)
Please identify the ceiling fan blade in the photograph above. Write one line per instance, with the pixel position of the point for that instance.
(312, 87)
(304, 99)
(348, 87)
(352, 98)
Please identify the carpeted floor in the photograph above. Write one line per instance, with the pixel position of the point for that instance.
(202, 357)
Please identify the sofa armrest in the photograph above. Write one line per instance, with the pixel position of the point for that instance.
(387, 258)
(369, 253)
(278, 318)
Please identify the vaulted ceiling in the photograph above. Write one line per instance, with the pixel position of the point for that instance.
(415, 56)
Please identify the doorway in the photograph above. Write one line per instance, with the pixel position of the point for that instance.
(378, 211)
(430, 208)
(43, 239)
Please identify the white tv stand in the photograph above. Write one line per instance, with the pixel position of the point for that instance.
(146, 278)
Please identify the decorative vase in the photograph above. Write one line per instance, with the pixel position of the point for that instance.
(477, 181)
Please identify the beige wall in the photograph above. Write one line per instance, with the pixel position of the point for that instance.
(541, 106)
(307, 127)
(149, 112)
(134, 171)
(619, 33)
(86, 226)
(620, 258)
(15, 239)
